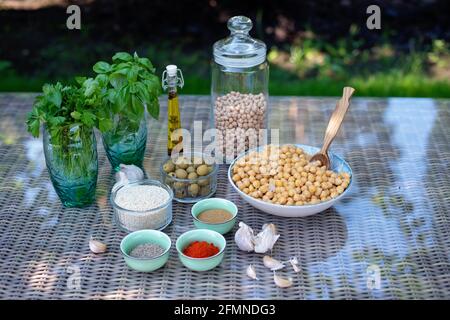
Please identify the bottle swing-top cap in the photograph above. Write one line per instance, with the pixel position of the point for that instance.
(171, 70)
(172, 76)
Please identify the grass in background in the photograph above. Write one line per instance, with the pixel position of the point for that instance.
(308, 67)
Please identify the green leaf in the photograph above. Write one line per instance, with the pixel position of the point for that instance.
(53, 94)
(33, 128)
(56, 121)
(33, 122)
(133, 74)
(80, 80)
(143, 92)
(76, 115)
(105, 124)
(147, 64)
(153, 108)
(90, 87)
(122, 56)
(117, 80)
(138, 107)
(88, 118)
(101, 67)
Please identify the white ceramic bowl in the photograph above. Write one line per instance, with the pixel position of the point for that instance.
(337, 164)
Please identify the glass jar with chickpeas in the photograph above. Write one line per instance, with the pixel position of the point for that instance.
(283, 175)
(239, 89)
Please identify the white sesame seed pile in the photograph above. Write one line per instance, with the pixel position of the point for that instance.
(141, 197)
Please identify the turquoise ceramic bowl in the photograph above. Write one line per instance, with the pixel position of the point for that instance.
(145, 236)
(201, 264)
(214, 203)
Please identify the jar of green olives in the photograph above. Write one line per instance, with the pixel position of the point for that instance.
(191, 178)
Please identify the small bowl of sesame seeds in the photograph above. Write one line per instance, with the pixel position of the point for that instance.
(145, 204)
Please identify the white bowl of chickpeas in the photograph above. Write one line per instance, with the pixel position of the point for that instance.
(281, 181)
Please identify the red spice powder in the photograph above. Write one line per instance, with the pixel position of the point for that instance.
(200, 249)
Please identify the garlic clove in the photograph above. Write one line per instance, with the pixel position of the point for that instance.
(272, 264)
(282, 282)
(251, 272)
(265, 240)
(294, 263)
(244, 237)
(97, 246)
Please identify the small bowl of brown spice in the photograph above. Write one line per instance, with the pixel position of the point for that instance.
(215, 214)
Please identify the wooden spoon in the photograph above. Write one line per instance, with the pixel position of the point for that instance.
(333, 127)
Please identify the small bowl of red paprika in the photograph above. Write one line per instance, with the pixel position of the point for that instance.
(201, 249)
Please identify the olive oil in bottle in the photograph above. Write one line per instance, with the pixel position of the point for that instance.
(172, 78)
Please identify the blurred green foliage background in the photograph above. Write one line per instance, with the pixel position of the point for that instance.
(315, 47)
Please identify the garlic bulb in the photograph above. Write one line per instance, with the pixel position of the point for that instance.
(272, 264)
(251, 272)
(282, 282)
(121, 180)
(265, 240)
(244, 237)
(132, 173)
(97, 246)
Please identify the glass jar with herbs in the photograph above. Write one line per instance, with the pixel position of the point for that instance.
(122, 91)
(70, 147)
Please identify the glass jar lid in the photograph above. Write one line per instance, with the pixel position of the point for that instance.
(239, 50)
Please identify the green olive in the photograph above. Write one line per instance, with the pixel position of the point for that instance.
(181, 174)
(204, 191)
(180, 193)
(193, 189)
(182, 163)
(192, 176)
(203, 182)
(169, 166)
(202, 170)
(190, 169)
(172, 174)
(179, 185)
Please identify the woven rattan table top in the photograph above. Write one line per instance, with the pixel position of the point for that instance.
(395, 222)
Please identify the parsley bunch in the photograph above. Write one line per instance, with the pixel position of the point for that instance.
(60, 108)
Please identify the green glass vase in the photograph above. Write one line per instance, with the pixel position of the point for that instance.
(72, 163)
(125, 142)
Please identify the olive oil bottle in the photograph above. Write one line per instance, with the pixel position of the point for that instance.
(172, 78)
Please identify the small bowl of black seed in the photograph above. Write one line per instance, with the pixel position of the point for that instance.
(146, 250)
